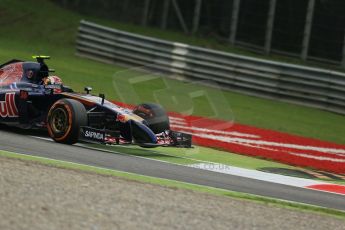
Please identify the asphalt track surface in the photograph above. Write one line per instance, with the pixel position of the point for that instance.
(14, 140)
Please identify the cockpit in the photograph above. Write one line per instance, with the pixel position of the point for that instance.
(34, 72)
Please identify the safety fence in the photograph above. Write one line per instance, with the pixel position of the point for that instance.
(319, 88)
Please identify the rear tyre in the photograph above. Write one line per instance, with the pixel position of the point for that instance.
(154, 115)
(64, 120)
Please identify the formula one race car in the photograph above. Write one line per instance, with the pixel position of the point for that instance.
(30, 98)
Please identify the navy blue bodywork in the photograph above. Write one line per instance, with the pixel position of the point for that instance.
(26, 103)
(32, 101)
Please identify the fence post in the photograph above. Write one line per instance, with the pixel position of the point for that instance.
(180, 16)
(269, 26)
(125, 6)
(166, 7)
(146, 12)
(196, 19)
(307, 29)
(343, 59)
(234, 20)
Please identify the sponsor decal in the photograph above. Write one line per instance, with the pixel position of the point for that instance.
(121, 117)
(8, 107)
(55, 86)
(94, 135)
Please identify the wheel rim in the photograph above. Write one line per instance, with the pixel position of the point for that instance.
(59, 121)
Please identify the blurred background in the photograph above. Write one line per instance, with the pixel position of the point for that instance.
(306, 29)
(304, 32)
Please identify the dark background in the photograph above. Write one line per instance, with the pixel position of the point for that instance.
(327, 35)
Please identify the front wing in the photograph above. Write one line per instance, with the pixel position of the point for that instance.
(168, 138)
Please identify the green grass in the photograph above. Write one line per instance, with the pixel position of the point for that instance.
(41, 27)
(175, 184)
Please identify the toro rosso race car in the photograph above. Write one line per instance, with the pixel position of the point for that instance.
(30, 98)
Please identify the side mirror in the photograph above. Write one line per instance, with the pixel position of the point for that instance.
(88, 89)
(101, 95)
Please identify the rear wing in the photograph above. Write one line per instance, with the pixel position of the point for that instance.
(41, 58)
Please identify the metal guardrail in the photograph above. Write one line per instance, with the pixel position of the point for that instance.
(323, 89)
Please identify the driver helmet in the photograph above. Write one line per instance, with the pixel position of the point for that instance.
(52, 80)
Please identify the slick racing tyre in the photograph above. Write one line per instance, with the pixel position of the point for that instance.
(64, 120)
(154, 115)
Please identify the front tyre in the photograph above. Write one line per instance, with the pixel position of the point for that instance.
(64, 120)
(154, 115)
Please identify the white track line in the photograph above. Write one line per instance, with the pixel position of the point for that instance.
(255, 174)
(231, 170)
(267, 177)
(341, 152)
(204, 130)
